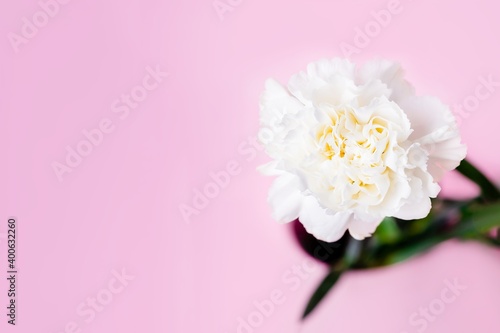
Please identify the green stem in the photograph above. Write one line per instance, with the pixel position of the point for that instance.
(324, 287)
(489, 191)
(477, 221)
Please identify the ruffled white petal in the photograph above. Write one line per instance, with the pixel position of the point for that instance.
(391, 74)
(276, 103)
(416, 208)
(324, 225)
(360, 228)
(285, 198)
(351, 146)
(323, 77)
(435, 129)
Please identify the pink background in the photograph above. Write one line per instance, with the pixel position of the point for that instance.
(119, 209)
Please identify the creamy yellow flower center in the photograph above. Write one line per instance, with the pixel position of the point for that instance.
(354, 148)
(355, 141)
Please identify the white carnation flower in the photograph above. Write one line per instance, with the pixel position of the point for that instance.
(351, 146)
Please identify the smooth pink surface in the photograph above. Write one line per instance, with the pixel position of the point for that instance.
(120, 207)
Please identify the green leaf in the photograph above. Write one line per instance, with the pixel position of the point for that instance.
(488, 190)
(478, 220)
(323, 288)
(388, 231)
(412, 249)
